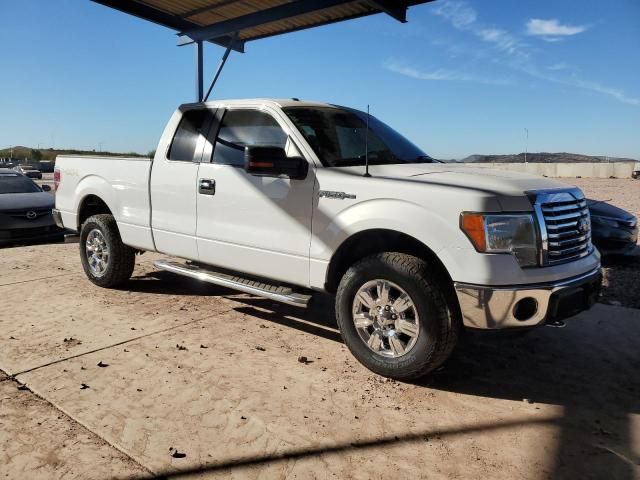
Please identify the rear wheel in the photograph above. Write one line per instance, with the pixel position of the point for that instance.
(394, 315)
(107, 261)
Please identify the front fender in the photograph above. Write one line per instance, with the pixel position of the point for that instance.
(332, 229)
(389, 214)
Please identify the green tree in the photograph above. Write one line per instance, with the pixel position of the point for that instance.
(36, 155)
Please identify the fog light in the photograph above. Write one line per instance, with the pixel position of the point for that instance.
(525, 309)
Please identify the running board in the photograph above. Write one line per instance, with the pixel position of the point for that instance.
(254, 287)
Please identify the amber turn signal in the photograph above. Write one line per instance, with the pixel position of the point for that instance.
(472, 225)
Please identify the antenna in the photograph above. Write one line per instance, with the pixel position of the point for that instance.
(366, 147)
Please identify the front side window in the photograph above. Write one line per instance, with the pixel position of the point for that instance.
(188, 135)
(338, 137)
(240, 128)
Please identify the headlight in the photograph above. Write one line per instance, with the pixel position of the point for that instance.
(503, 233)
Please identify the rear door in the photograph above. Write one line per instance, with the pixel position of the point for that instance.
(173, 184)
(253, 224)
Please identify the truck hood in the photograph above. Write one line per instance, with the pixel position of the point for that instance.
(17, 201)
(500, 182)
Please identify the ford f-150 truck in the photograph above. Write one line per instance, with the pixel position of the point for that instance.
(284, 198)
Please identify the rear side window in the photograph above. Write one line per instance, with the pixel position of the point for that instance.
(187, 137)
(245, 127)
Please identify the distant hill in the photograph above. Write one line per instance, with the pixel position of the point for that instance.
(37, 154)
(543, 157)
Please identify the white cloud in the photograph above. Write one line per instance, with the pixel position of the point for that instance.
(517, 55)
(457, 12)
(559, 66)
(502, 40)
(603, 89)
(441, 74)
(552, 28)
(577, 82)
(463, 17)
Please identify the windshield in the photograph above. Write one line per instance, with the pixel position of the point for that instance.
(337, 136)
(17, 184)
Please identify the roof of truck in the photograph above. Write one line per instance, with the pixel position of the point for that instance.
(274, 102)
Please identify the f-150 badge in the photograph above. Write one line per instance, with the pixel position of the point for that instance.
(337, 195)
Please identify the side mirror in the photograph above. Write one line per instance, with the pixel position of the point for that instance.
(46, 188)
(265, 161)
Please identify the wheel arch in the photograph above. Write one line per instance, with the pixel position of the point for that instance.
(90, 205)
(369, 242)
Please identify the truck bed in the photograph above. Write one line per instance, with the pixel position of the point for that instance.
(121, 182)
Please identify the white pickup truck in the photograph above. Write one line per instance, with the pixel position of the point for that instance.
(273, 198)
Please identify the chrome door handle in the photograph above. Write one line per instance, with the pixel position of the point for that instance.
(207, 186)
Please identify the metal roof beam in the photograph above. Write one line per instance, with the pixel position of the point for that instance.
(281, 12)
(393, 8)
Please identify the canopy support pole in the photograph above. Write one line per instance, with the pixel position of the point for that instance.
(199, 71)
(223, 61)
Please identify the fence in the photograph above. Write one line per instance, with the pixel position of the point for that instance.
(569, 170)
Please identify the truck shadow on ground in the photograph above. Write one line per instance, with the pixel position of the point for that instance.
(166, 283)
(590, 369)
(317, 319)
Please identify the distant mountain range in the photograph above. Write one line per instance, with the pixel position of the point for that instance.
(543, 157)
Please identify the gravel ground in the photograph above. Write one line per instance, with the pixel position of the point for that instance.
(621, 277)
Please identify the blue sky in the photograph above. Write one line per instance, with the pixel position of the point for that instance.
(461, 77)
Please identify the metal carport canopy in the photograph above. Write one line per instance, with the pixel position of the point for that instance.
(232, 23)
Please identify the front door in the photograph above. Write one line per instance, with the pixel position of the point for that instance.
(173, 185)
(259, 225)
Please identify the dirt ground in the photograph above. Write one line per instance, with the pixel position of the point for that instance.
(170, 378)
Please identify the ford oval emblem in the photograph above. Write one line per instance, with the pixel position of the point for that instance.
(583, 225)
(31, 215)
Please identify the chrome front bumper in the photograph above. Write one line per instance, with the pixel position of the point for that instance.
(57, 217)
(486, 307)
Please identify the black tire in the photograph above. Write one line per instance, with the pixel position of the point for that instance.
(121, 259)
(439, 324)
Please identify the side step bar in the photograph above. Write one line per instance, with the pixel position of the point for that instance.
(253, 287)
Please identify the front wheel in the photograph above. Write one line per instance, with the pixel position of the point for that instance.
(107, 261)
(394, 316)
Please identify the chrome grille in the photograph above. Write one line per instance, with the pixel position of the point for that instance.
(565, 226)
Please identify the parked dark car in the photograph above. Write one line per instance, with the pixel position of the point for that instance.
(614, 230)
(46, 166)
(29, 171)
(25, 211)
(635, 174)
